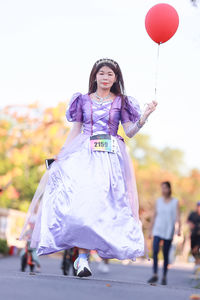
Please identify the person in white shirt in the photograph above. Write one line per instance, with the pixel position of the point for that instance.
(166, 214)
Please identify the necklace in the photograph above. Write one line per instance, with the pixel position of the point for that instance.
(101, 99)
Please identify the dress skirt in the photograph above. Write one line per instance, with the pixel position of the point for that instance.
(88, 199)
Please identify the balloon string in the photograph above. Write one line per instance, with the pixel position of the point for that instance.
(156, 73)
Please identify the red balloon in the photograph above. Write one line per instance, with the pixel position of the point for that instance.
(161, 22)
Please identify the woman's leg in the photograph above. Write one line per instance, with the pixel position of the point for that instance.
(83, 251)
(166, 248)
(156, 243)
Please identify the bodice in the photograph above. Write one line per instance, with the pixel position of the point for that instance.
(101, 118)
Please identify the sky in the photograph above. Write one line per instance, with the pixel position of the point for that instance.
(47, 50)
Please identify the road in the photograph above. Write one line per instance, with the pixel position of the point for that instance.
(122, 282)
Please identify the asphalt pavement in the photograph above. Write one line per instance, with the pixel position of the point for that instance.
(122, 282)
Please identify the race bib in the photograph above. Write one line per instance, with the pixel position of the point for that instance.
(103, 142)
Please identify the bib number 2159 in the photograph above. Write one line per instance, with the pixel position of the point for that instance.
(103, 142)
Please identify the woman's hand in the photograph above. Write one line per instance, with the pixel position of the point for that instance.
(150, 108)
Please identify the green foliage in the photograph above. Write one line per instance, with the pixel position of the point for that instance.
(168, 159)
(29, 135)
(3, 247)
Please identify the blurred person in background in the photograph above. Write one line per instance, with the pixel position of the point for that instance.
(28, 255)
(166, 214)
(194, 225)
(69, 257)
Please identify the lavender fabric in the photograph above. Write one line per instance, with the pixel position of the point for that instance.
(89, 198)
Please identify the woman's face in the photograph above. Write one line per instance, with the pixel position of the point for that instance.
(165, 190)
(105, 78)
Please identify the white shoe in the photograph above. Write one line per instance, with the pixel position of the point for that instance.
(82, 267)
(102, 267)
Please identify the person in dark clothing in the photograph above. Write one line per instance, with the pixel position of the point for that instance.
(194, 224)
(69, 257)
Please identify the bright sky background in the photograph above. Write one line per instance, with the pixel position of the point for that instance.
(47, 49)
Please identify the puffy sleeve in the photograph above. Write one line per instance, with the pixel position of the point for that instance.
(74, 111)
(130, 110)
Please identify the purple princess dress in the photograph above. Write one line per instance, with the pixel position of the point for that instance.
(87, 198)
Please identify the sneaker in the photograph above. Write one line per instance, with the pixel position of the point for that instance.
(82, 267)
(164, 281)
(153, 279)
(102, 267)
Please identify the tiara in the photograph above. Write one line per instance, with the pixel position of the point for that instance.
(106, 60)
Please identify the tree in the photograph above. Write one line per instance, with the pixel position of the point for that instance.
(29, 135)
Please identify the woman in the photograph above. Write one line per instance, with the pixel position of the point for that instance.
(89, 196)
(165, 215)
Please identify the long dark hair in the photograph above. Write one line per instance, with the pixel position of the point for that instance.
(168, 184)
(118, 87)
